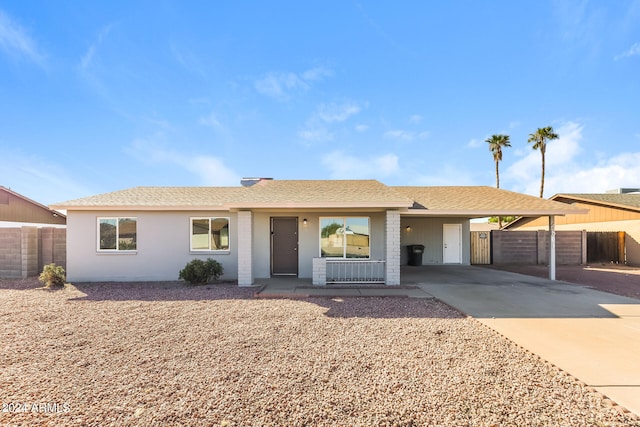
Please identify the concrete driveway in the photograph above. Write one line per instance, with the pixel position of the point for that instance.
(594, 336)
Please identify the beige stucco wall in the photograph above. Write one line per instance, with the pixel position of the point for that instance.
(428, 232)
(308, 238)
(163, 247)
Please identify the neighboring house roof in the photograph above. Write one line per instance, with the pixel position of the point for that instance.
(16, 208)
(322, 194)
(480, 201)
(624, 201)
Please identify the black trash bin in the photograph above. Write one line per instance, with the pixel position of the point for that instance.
(415, 254)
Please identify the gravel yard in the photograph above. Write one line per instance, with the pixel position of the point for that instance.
(171, 354)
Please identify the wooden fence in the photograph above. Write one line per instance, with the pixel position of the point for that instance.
(532, 247)
(606, 246)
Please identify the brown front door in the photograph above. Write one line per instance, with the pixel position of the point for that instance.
(284, 246)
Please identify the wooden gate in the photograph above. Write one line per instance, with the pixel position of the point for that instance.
(606, 246)
(480, 247)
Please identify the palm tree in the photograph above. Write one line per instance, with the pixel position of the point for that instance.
(539, 139)
(496, 142)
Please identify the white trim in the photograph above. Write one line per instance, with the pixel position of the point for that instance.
(209, 250)
(344, 246)
(115, 251)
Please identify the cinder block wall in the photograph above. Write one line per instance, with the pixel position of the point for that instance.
(532, 247)
(25, 251)
(10, 253)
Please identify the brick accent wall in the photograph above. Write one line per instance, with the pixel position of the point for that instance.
(319, 271)
(392, 248)
(245, 248)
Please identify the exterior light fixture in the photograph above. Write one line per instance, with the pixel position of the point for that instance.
(408, 228)
(304, 221)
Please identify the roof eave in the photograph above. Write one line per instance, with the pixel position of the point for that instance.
(485, 212)
(595, 202)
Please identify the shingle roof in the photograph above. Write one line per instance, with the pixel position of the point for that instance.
(327, 193)
(625, 201)
(481, 201)
(159, 197)
(462, 201)
(265, 194)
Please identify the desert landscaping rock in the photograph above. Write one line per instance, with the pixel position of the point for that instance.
(172, 354)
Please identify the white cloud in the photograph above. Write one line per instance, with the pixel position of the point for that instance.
(280, 85)
(326, 114)
(345, 166)
(211, 121)
(405, 135)
(361, 128)
(316, 134)
(616, 172)
(317, 74)
(87, 59)
(210, 170)
(632, 51)
(565, 172)
(514, 124)
(416, 118)
(15, 41)
(474, 143)
(337, 112)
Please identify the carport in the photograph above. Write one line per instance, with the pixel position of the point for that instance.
(438, 211)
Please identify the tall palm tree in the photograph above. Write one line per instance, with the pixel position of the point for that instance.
(496, 142)
(539, 139)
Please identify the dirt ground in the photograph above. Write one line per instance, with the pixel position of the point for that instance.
(613, 278)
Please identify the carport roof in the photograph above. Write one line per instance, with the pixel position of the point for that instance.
(480, 201)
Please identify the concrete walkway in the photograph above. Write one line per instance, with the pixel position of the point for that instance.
(594, 336)
(293, 287)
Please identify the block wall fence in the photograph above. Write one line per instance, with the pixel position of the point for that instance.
(24, 251)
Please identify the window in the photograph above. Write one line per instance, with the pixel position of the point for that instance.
(117, 234)
(209, 234)
(346, 237)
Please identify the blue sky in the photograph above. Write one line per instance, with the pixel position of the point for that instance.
(99, 96)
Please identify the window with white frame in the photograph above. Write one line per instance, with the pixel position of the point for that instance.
(345, 237)
(210, 234)
(117, 234)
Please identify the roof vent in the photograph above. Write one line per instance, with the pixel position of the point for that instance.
(248, 182)
(623, 191)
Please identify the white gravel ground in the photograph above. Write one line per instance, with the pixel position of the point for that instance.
(172, 354)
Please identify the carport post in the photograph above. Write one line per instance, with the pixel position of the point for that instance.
(552, 247)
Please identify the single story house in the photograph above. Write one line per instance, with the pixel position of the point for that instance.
(328, 231)
(611, 211)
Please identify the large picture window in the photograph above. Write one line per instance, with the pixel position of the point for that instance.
(117, 234)
(209, 234)
(345, 237)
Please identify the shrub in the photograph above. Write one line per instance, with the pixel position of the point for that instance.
(198, 272)
(52, 275)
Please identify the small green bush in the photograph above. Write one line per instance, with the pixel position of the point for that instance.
(199, 272)
(52, 275)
